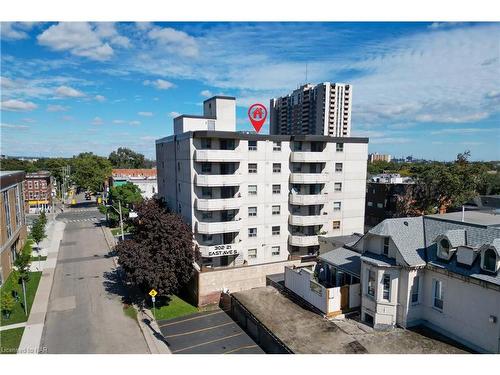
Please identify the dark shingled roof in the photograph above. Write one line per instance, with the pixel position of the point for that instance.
(344, 259)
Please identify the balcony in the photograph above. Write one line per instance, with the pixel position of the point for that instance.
(218, 227)
(218, 204)
(309, 178)
(308, 199)
(306, 220)
(302, 241)
(217, 155)
(211, 180)
(210, 251)
(310, 157)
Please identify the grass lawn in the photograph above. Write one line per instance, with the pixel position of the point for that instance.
(130, 311)
(17, 315)
(175, 308)
(10, 340)
(35, 259)
(118, 231)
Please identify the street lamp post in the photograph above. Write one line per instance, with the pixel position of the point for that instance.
(121, 217)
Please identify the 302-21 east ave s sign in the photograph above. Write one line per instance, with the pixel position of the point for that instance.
(221, 250)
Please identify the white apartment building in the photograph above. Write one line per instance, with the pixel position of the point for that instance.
(323, 109)
(256, 199)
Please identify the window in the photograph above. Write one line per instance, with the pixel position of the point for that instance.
(252, 189)
(444, 248)
(340, 147)
(370, 204)
(276, 210)
(252, 145)
(386, 246)
(276, 167)
(36, 184)
(252, 211)
(252, 168)
(252, 253)
(276, 189)
(438, 294)
(206, 167)
(337, 186)
(414, 290)
(386, 283)
(380, 205)
(489, 260)
(276, 146)
(276, 230)
(30, 184)
(30, 195)
(19, 217)
(179, 187)
(336, 224)
(206, 143)
(252, 232)
(337, 206)
(6, 207)
(206, 215)
(178, 166)
(371, 283)
(297, 146)
(338, 167)
(275, 250)
(206, 192)
(206, 238)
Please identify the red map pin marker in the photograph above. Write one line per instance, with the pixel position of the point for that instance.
(257, 114)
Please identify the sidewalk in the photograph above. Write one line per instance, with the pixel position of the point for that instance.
(13, 326)
(30, 342)
(147, 324)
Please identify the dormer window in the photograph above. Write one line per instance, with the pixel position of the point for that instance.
(490, 260)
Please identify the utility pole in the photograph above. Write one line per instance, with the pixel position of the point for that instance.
(121, 219)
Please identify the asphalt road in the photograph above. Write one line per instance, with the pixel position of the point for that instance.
(85, 313)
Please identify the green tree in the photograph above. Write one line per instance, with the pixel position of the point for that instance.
(128, 195)
(90, 171)
(161, 253)
(7, 305)
(38, 230)
(126, 158)
(22, 272)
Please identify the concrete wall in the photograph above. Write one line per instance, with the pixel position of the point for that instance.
(212, 283)
(299, 281)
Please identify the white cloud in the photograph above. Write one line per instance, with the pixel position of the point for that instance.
(97, 121)
(118, 122)
(160, 84)
(12, 126)
(174, 114)
(18, 105)
(389, 140)
(135, 122)
(174, 41)
(206, 93)
(15, 30)
(145, 114)
(69, 92)
(56, 108)
(100, 98)
(83, 39)
(472, 117)
(463, 131)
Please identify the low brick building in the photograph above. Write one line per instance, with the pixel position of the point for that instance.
(38, 191)
(12, 221)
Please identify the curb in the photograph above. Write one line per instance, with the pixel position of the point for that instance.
(110, 241)
(152, 334)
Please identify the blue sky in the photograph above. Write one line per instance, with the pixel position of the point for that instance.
(425, 89)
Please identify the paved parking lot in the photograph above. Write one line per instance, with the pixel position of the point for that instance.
(212, 332)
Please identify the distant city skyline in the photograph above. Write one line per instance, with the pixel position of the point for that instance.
(430, 90)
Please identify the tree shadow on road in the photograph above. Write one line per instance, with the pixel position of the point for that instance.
(114, 284)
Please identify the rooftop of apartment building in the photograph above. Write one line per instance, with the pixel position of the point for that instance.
(489, 218)
(305, 332)
(260, 137)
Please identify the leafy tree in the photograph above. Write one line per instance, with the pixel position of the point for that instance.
(43, 218)
(126, 158)
(90, 171)
(128, 195)
(38, 230)
(12, 164)
(8, 303)
(161, 253)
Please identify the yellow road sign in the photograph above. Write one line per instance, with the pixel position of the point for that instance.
(153, 293)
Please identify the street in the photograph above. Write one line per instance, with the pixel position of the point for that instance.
(85, 313)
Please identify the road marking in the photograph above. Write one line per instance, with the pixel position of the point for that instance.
(208, 342)
(240, 348)
(199, 330)
(186, 320)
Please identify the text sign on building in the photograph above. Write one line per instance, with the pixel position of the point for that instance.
(222, 250)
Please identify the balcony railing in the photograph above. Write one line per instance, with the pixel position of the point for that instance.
(211, 180)
(218, 204)
(218, 155)
(308, 199)
(306, 220)
(216, 227)
(310, 157)
(301, 240)
(309, 178)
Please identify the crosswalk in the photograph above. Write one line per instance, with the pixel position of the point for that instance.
(83, 210)
(88, 219)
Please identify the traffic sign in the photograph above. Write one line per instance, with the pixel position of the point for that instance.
(153, 299)
(153, 293)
